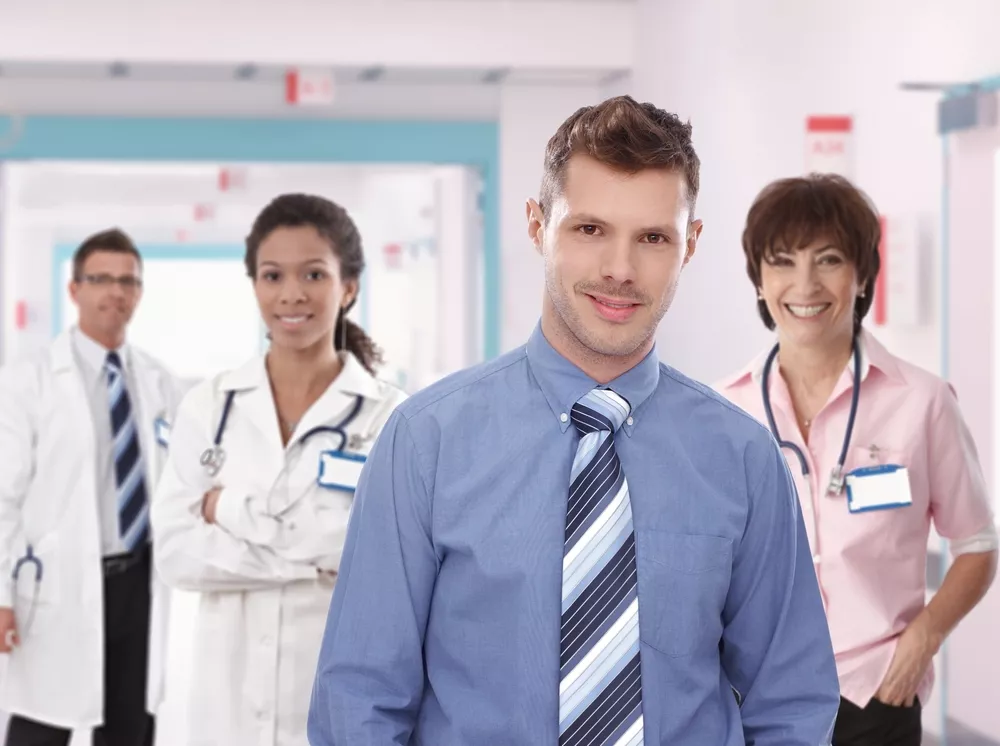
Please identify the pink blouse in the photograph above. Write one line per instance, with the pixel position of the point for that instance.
(871, 566)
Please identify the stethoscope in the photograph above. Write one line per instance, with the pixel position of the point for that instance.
(836, 485)
(215, 455)
(29, 558)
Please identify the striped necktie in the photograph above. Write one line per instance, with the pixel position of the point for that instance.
(600, 696)
(133, 510)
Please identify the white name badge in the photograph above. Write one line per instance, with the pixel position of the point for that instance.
(339, 470)
(162, 429)
(878, 488)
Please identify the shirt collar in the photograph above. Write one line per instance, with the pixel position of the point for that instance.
(353, 378)
(563, 383)
(94, 354)
(873, 355)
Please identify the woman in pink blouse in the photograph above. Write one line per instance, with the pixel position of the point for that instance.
(877, 447)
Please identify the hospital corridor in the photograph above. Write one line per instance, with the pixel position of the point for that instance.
(496, 372)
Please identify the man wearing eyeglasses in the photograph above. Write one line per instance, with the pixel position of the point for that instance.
(83, 433)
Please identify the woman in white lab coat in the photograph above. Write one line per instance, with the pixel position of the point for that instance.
(252, 508)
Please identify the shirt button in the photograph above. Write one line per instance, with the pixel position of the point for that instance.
(629, 422)
(563, 417)
(816, 559)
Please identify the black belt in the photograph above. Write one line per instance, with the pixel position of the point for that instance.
(116, 564)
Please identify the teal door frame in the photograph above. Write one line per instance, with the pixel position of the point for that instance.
(472, 144)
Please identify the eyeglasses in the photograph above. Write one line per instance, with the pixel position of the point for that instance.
(127, 282)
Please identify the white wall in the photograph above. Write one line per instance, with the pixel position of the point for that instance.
(748, 74)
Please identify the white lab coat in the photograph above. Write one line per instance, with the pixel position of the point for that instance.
(264, 571)
(48, 498)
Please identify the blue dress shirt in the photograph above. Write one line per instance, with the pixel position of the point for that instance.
(445, 622)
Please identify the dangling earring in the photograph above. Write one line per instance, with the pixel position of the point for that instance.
(343, 328)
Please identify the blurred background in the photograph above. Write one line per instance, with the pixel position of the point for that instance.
(427, 119)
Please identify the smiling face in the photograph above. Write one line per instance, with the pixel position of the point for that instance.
(810, 293)
(614, 246)
(299, 287)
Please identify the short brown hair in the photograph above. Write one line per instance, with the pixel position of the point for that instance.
(114, 240)
(792, 213)
(625, 135)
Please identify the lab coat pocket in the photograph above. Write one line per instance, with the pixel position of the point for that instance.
(36, 571)
(683, 583)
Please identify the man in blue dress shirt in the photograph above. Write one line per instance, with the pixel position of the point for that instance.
(574, 543)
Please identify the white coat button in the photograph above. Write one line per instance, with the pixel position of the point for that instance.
(563, 417)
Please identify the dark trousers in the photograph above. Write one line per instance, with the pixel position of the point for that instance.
(126, 648)
(877, 725)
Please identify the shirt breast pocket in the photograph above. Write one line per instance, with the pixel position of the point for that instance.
(882, 530)
(683, 583)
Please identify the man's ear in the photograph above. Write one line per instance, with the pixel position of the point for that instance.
(536, 223)
(694, 233)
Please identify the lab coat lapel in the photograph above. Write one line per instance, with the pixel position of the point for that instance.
(255, 403)
(339, 399)
(149, 406)
(73, 395)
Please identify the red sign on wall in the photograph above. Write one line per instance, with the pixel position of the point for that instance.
(829, 141)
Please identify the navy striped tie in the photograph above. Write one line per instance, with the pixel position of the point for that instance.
(600, 687)
(133, 509)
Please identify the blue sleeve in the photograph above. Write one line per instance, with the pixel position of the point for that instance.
(777, 651)
(370, 675)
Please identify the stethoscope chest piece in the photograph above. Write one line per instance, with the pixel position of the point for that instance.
(212, 459)
(29, 560)
(836, 486)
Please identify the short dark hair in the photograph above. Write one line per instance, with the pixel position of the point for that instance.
(114, 240)
(334, 224)
(792, 213)
(625, 135)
